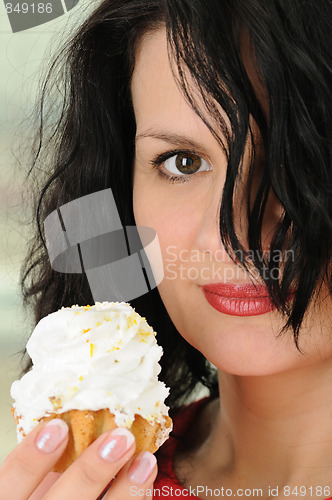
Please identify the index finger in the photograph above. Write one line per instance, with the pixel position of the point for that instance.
(26, 466)
(93, 470)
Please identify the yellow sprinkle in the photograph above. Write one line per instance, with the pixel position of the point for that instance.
(86, 307)
(80, 378)
(98, 324)
(131, 321)
(87, 330)
(75, 388)
(145, 334)
(56, 402)
(91, 349)
(138, 407)
(143, 340)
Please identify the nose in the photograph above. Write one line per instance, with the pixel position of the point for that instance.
(208, 239)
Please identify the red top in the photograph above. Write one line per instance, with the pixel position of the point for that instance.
(167, 485)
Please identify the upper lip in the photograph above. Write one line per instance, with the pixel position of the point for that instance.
(238, 291)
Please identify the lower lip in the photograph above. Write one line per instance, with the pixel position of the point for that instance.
(239, 306)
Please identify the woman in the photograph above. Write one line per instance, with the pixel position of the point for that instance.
(219, 114)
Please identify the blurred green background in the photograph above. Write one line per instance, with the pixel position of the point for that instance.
(22, 64)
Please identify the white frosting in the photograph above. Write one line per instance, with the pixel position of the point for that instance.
(90, 358)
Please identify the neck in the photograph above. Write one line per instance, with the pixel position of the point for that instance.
(277, 428)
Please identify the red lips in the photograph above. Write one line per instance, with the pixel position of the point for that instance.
(237, 291)
(238, 300)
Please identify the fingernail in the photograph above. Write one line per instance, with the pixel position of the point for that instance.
(52, 435)
(117, 444)
(142, 467)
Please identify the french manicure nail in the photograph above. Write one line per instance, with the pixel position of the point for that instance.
(52, 435)
(117, 444)
(142, 467)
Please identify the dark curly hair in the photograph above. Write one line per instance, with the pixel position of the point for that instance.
(86, 143)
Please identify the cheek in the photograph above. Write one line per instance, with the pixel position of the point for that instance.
(170, 216)
(175, 226)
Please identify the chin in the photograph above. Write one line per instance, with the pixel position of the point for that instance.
(243, 353)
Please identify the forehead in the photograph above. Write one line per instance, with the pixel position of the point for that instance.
(156, 97)
(155, 90)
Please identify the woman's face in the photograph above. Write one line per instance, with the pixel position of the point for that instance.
(179, 196)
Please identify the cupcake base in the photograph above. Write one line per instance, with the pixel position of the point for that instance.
(86, 426)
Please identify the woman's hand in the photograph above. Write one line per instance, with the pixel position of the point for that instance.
(24, 473)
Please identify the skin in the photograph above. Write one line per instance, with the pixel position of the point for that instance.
(270, 393)
(261, 376)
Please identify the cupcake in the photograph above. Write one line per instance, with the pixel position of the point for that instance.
(96, 367)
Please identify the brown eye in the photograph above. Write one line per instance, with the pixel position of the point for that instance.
(186, 164)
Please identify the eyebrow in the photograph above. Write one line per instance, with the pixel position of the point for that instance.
(176, 139)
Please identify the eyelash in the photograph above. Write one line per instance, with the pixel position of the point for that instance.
(159, 159)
